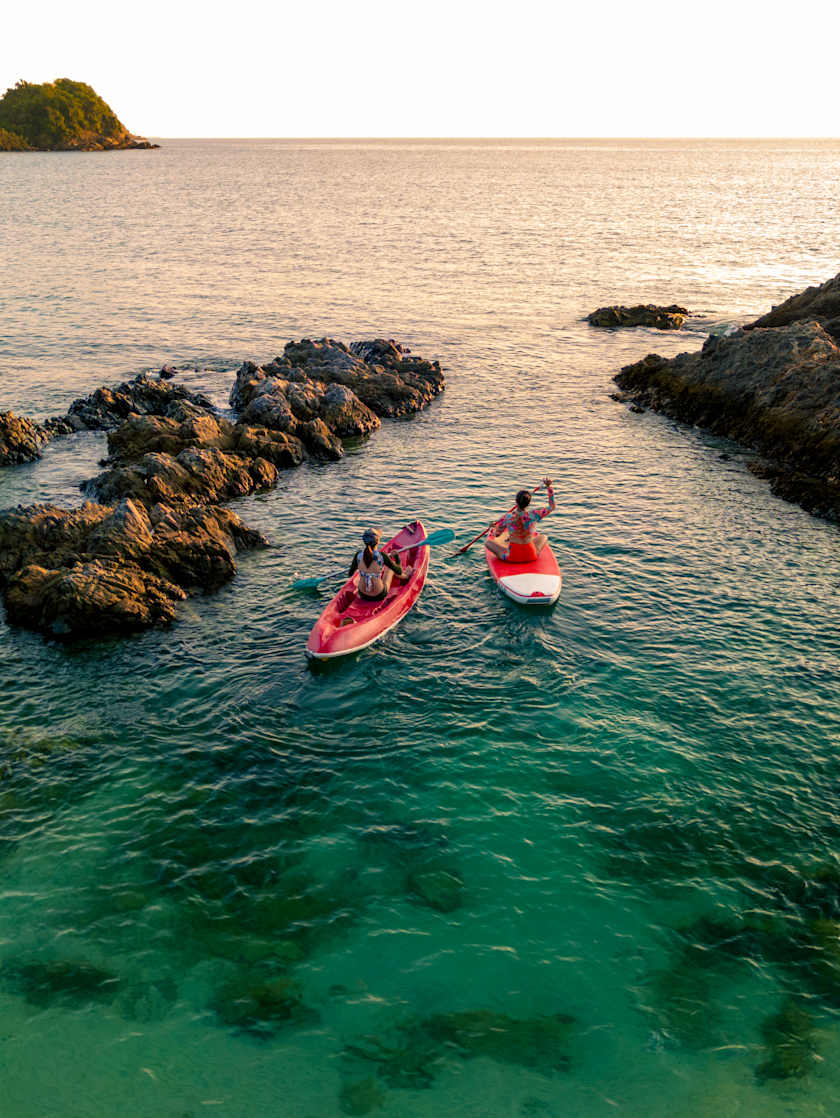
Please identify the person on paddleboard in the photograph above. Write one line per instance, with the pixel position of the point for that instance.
(524, 542)
(376, 568)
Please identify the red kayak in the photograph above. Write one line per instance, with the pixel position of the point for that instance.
(349, 623)
(537, 583)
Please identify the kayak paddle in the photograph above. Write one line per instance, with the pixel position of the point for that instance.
(442, 535)
(467, 546)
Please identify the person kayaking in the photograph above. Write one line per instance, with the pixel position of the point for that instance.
(376, 568)
(524, 542)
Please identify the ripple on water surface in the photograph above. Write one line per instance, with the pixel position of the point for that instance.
(574, 862)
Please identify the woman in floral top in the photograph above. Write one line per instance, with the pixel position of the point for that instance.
(523, 543)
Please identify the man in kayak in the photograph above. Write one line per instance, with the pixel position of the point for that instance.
(376, 568)
(524, 542)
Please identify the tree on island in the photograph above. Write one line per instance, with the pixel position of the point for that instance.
(61, 116)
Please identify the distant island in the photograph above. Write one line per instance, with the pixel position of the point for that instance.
(61, 116)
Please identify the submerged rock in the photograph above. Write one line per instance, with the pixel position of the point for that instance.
(536, 1043)
(440, 889)
(684, 997)
(58, 982)
(149, 1000)
(409, 1057)
(790, 1048)
(643, 314)
(777, 391)
(260, 1005)
(360, 1097)
(20, 439)
(25, 751)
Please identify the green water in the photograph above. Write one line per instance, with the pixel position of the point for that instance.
(221, 864)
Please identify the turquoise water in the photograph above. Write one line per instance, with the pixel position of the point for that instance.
(190, 816)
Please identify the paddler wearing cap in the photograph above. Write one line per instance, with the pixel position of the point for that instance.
(376, 568)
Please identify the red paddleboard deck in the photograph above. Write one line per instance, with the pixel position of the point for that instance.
(349, 623)
(537, 583)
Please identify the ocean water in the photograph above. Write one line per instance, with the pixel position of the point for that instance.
(211, 849)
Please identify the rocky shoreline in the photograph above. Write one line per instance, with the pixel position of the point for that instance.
(155, 531)
(773, 385)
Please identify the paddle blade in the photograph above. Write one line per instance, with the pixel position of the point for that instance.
(308, 583)
(442, 535)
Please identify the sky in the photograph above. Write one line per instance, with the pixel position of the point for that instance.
(368, 68)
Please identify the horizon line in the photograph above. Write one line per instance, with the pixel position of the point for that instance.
(491, 139)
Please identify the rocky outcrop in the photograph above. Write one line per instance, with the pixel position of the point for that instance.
(195, 476)
(776, 390)
(380, 378)
(101, 569)
(93, 598)
(156, 532)
(20, 439)
(107, 408)
(171, 447)
(643, 314)
(815, 304)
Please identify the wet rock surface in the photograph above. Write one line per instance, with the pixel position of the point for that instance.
(107, 408)
(104, 569)
(196, 476)
(352, 388)
(20, 439)
(156, 532)
(643, 314)
(776, 390)
(816, 304)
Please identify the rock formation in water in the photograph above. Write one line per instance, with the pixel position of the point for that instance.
(20, 439)
(774, 389)
(644, 314)
(380, 380)
(102, 569)
(815, 304)
(157, 533)
(61, 116)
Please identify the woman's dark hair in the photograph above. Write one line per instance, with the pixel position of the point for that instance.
(368, 554)
(523, 498)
